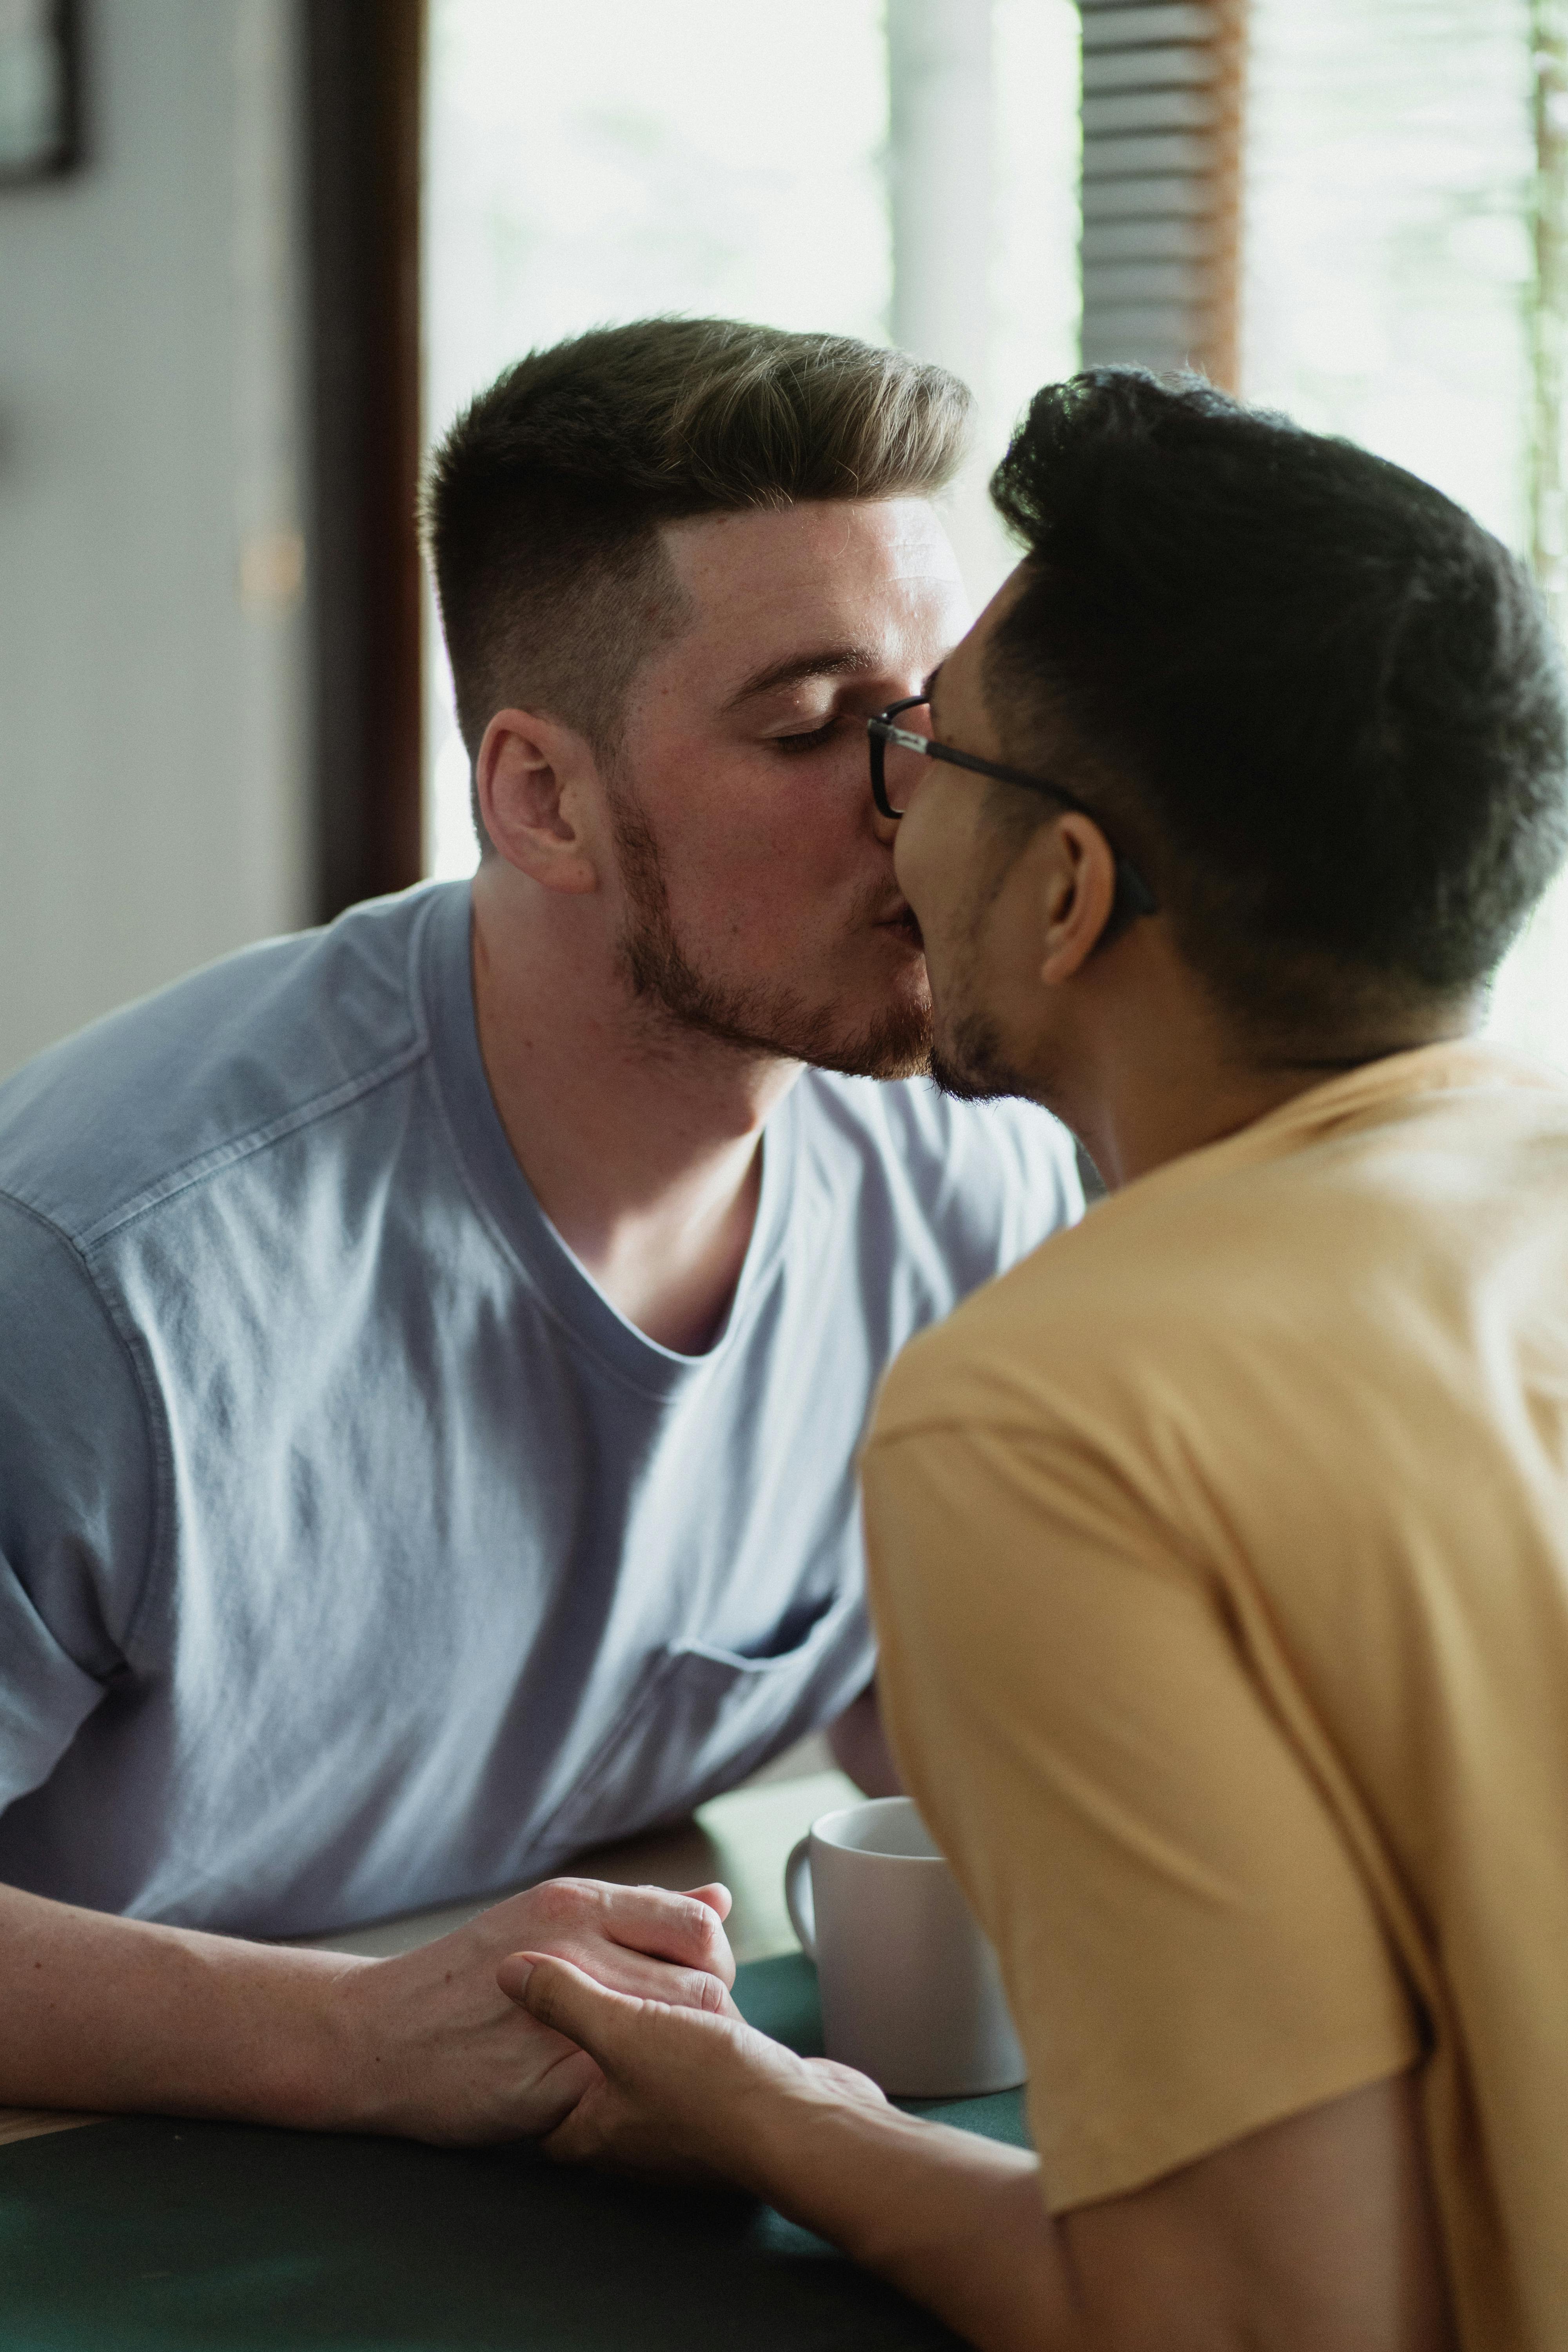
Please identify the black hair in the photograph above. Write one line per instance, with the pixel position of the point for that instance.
(1324, 707)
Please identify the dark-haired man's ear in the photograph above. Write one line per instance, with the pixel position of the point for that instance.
(1076, 884)
(530, 777)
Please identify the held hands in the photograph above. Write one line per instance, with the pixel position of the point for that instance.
(679, 2091)
(436, 2051)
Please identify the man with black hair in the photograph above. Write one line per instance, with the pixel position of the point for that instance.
(433, 1349)
(1220, 1551)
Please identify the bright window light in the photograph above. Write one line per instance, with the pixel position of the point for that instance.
(1388, 276)
(613, 159)
(610, 161)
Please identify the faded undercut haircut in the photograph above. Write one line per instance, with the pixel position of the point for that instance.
(542, 508)
(1321, 707)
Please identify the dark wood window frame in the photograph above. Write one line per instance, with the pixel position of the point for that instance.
(60, 151)
(364, 66)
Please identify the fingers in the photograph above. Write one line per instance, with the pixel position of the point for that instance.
(717, 1897)
(685, 1928)
(559, 2091)
(579, 1916)
(562, 1997)
(513, 1974)
(629, 1978)
(635, 2116)
(623, 1971)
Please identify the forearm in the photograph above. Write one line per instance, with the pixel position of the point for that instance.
(955, 2221)
(121, 2015)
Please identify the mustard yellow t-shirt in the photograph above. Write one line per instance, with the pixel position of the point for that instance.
(1219, 1557)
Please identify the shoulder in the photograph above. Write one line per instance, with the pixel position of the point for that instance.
(1153, 1294)
(217, 1064)
(1233, 1279)
(997, 1175)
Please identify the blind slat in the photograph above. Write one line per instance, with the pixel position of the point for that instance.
(1162, 238)
(1161, 138)
(1116, 159)
(1140, 69)
(1149, 110)
(1109, 27)
(1153, 199)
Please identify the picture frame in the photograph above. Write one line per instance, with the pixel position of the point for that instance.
(40, 91)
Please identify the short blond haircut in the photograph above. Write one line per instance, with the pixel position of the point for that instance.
(544, 504)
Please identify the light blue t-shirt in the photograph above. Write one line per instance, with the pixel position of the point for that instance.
(355, 1553)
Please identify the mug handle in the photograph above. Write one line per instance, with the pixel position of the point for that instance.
(798, 1895)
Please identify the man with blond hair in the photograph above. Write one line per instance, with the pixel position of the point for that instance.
(436, 1347)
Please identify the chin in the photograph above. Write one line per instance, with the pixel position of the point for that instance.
(885, 1049)
(864, 1011)
(967, 1062)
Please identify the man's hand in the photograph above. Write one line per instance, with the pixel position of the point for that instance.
(675, 2091)
(130, 2017)
(434, 2049)
(1314, 2234)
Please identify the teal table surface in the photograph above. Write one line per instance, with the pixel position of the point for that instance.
(147, 2235)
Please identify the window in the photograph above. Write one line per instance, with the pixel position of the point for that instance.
(1389, 286)
(1341, 207)
(1355, 211)
(832, 165)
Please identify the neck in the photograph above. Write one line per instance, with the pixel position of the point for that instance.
(1158, 1071)
(640, 1140)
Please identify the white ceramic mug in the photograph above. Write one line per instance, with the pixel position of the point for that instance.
(911, 1994)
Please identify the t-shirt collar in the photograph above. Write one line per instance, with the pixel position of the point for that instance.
(505, 1195)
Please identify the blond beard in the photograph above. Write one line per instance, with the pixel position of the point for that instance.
(753, 1017)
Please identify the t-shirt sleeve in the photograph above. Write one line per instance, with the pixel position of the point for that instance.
(76, 1497)
(1189, 1948)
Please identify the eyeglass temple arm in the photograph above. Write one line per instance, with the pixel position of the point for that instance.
(1136, 894)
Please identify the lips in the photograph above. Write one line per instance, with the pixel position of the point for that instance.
(906, 924)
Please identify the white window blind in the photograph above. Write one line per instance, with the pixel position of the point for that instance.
(1162, 186)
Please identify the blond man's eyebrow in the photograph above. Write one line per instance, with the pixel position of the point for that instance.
(827, 661)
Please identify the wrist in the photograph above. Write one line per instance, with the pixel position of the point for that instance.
(890, 2189)
(792, 2143)
(325, 2069)
(295, 2041)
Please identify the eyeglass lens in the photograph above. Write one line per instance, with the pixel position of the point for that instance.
(897, 770)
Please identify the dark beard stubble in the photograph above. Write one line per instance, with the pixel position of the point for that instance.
(971, 1068)
(969, 1064)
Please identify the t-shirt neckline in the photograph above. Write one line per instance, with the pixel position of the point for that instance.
(507, 1200)
(1349, 1096)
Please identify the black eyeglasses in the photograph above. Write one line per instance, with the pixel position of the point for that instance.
(1133, 895)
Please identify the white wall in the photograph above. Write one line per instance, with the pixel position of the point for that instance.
(153, 706)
